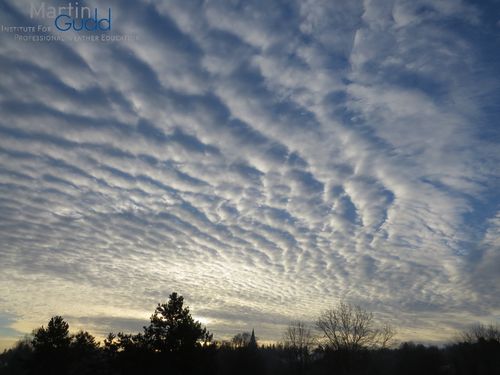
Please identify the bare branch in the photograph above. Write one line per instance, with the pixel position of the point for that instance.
(349, 327)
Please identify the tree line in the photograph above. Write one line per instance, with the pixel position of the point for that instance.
(345, 339)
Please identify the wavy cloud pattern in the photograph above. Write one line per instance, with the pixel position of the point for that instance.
(265, 159)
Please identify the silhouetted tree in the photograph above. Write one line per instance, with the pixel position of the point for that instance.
(349, 327)
(416, 359)
(175, 344)
(298, 341)
(17, 360)
(173, 329)
(477, 351)
(54, 337)
(111, 345)
(51, 347)
(480, 332)
(177, 338)
(298, 337)
(242, 356)
(85, 355)
(129, 354)
(241, 340)
(83, 342)
(127, 342)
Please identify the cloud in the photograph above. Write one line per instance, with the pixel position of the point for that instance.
(264, 159)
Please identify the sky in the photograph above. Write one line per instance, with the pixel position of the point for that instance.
(264, 159)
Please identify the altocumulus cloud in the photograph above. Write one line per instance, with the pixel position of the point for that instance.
(263, 158)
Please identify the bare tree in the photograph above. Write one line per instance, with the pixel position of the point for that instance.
(480, 332)
(298, 340)
(241, 340)
(298, 336)
(349, 327)
(386, 336)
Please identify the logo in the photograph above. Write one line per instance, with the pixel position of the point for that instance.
(74, 17)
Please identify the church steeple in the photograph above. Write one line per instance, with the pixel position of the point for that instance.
(253, 342)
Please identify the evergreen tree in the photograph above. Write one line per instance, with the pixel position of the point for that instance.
(51, 346)
(173, 329)
(54, 337)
